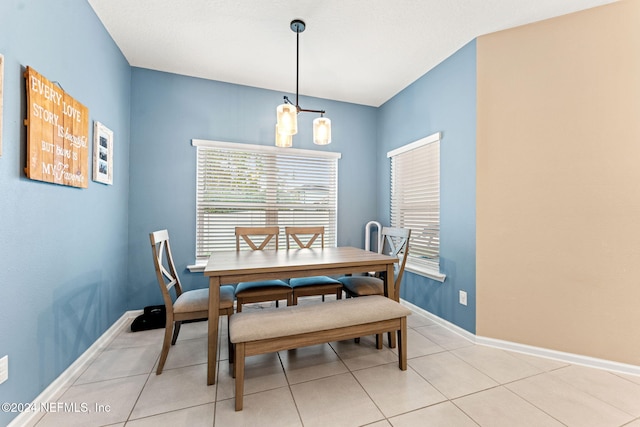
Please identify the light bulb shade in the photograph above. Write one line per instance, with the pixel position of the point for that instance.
(287, 119)
(322, 131)
(283, 140)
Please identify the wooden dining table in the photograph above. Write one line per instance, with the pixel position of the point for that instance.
(230, 267)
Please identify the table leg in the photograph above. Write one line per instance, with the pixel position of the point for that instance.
(214, 312)
(391, 286)
(391, 293)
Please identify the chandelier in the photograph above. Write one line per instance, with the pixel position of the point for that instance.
(287, 112)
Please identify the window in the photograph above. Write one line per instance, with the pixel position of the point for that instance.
(415, 202)
(254, 185)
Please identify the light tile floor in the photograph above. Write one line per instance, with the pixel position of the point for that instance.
(449, 382)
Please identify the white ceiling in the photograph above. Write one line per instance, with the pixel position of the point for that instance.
(360, 51)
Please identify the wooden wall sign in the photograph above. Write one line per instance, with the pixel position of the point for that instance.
(57, 134)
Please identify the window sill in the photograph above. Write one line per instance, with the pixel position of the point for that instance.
(198, 267)
(426, 272)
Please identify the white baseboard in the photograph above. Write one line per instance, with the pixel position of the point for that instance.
(69, 375)
(575, 359)
(440, 321)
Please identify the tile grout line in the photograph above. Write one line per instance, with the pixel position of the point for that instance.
(286, 377)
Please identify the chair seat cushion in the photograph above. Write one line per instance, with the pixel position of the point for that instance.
(362, 285)
(198, 300)
(189, 301)
(226, 296)
(262, 285)
(299, 282)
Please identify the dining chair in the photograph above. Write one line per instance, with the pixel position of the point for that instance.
(395, 242)
(305, 237)
(188, 305)
(264, 290)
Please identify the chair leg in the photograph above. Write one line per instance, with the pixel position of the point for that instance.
(392, 340)
(277, 302)
(166, 343)
(402, 344)
(239, 369)
(229, 343)
(176, 331)
(356, 340)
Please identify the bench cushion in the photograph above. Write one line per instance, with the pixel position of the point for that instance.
(300, 319)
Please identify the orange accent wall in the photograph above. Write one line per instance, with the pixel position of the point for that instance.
(558, 183)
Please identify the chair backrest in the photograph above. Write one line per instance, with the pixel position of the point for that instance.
(397, 240)
(165, 269)
(311, 233)
(249, 233)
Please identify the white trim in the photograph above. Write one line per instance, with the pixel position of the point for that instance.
(435, 137)
(425, 271)
(69, 375)
(198, 267)
(440, 321)
(265, 149)
(575, 359)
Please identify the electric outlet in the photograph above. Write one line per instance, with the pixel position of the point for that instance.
(4, 369)
(463, 298)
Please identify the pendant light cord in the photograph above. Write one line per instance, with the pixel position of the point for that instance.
(298, 27)
(297, 65)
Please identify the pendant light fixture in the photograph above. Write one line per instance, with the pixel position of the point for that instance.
(283, 140)
(287, 113)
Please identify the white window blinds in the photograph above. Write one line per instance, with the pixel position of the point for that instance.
(252, 185)
(415, 198)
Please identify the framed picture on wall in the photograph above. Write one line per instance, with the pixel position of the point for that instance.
(102, 153)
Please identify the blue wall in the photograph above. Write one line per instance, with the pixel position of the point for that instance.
(443, 100)
(63, 250)
(170, 110)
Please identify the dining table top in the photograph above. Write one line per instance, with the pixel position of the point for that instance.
(297, 261)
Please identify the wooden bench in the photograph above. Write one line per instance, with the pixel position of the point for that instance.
(291, 327)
